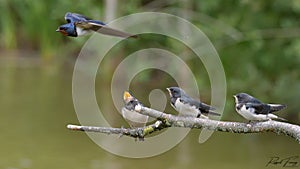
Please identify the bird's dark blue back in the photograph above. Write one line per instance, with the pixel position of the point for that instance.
(74, 17)
(96, 22)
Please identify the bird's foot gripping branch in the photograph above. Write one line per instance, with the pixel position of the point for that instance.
(165, 120)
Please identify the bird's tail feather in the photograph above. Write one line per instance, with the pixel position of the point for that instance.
(281, 119)
(214, 113)
(277, 107)
(273, 116)
(114, 32)
(206, 107)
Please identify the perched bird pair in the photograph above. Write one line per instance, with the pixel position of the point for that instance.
(78, 25)
(247, 106)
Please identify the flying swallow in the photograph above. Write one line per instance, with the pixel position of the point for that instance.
(78, 25)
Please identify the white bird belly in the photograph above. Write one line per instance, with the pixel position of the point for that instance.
(186, 110)
(134, 119)
(81, 32)
(250, 114)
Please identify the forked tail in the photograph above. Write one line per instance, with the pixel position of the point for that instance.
(277, 107)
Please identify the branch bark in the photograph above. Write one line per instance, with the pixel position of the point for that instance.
(165, 120)
(139, 133)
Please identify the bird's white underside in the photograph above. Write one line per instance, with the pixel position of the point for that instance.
(134, 119)
(81, 32)
(187, 110)
(250, 114)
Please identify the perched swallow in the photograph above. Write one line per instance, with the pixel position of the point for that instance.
(187, 106)
(254, 110)
(79, 25)
(133, 118)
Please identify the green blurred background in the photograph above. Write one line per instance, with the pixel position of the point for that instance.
(257, 41)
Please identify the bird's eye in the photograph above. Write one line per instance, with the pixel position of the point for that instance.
(68, 20)
(62, 28)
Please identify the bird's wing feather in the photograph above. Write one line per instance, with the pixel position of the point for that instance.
(86, 25)
(207, 106)
(260, 108)
(277, 107)
(193, 102)
(96, 22)
(100, 28)
(256, 101)
(110, 31)
(74, 17)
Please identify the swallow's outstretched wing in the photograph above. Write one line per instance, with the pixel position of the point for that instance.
(86, 23)
(97, 26)
(75, 17)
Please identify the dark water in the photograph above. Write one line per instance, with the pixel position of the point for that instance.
(36, 105)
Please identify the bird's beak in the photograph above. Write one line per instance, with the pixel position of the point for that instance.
(62, 31)
(126, 96)
(169, 91)
(235, 99)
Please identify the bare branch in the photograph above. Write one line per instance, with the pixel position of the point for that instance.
(136, 132)
(168, 120)
(234, 127)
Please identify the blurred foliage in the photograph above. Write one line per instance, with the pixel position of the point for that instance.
(258, 41)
